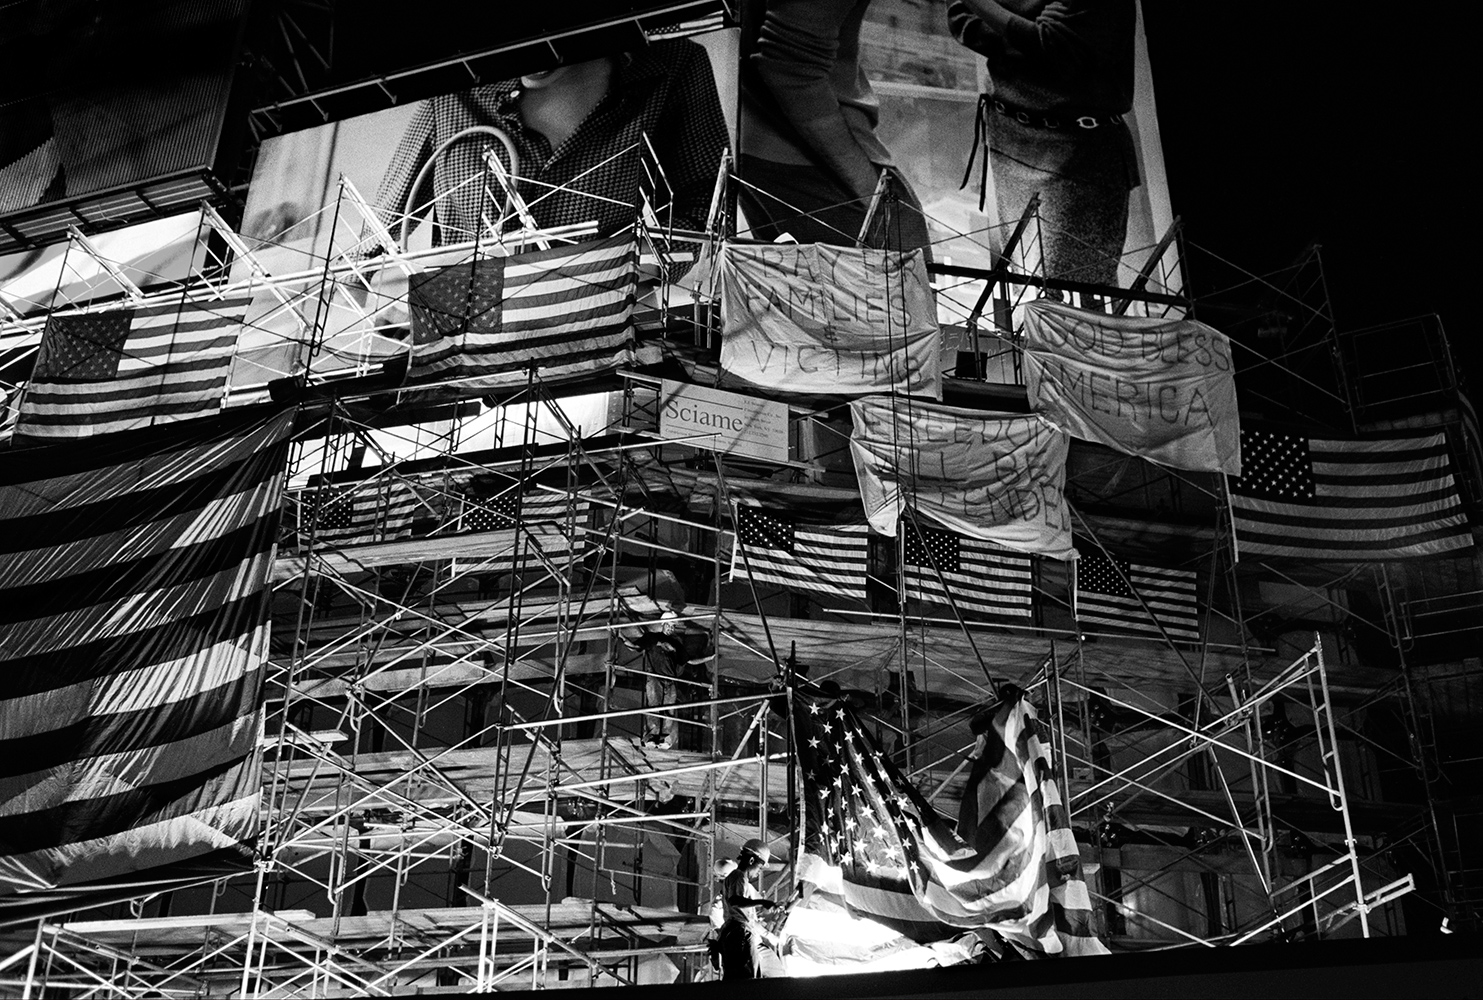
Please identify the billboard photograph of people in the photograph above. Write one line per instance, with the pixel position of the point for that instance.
(576, 143)
(970, 107)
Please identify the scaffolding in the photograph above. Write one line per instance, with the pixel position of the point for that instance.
(458, 791)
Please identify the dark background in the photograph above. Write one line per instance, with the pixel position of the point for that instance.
(1341, 124)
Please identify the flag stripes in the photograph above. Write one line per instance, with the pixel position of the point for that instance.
(1103, 598)
(567, 310)
(545, 519)
(132, 367)
(133, 633)
(379, 510)
(826, 559)
(1012, 865)
(1012, 787)
(1348, 501)
(980, 577)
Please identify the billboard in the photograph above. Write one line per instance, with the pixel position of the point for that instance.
(102, 100)
(148, 254)
(968, 118)
(571, 137)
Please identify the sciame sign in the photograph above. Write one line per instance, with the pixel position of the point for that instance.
(724, 421)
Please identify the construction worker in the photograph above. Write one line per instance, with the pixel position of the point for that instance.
(741, 936)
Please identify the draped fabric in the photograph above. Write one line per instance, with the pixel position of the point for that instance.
(828, 320)
(133, 631)
(997, 477)
(1161, 389)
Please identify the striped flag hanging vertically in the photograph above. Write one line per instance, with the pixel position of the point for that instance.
(565, 311)
(827, 559)
(1103, 597)
(873, 841)
(981, 577)
(1346, 501)
(133, 631)
(133, 366)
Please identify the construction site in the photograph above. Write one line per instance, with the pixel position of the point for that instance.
(527, 682)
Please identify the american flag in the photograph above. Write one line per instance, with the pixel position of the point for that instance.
(1104, 598)
(565, 311)
(136, 366)
(1346, 501)
(980, 576)
(131, 670)
(555, 527)
(380, 510)
(871, 839)
(828, 559)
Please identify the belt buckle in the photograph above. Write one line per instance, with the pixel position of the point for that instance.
(1087, 121)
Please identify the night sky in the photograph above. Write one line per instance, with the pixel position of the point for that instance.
(1294, 123)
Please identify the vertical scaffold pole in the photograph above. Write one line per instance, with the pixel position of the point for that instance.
(1341, 799)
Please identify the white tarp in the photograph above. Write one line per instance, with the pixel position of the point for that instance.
(843, 321)
(1162, 389)
(999, 477)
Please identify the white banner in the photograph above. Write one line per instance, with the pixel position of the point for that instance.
(840, 321)
(998, 477)
(724, 421)
(1162, 389)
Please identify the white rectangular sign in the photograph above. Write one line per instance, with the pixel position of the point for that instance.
(724, 421)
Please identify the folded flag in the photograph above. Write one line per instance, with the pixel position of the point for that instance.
(132, 640)
(131, 366)
(1347, 501)
(563, 311)
(979, 577)
(1106, 597)
(823, 558)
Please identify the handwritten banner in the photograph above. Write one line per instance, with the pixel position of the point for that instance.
(997, 477)
(1164, 390)
(841, 321)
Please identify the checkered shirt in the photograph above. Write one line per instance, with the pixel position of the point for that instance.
(666, 90)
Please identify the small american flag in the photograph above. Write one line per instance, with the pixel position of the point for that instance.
(555, 526)
(565, 311)
(1103, 597)
(1347, 501)
(829, 559)
(377, 511)
(137, 366)
(980, 576)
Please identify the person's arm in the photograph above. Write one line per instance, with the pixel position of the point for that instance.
(411, 155)
(796, 52)
(690, 136)
(1059, 33)
(748, 902)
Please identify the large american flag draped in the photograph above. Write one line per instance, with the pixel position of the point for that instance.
(548, 530)
(1104, 597)
(981, 577)
(772, 548)
(871, 839)
(1346, 501)
(565, 311)
(380, 510)
(133, 630)
(133, 366)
